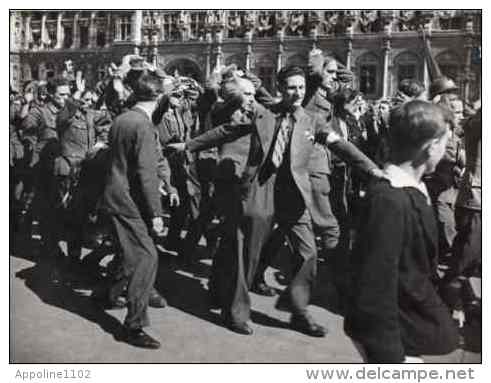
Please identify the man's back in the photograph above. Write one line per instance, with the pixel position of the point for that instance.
(132, 183)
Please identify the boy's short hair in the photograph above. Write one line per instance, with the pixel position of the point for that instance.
(412, 124)
(289, 71)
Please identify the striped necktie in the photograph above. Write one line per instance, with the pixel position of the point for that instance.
(281, 141)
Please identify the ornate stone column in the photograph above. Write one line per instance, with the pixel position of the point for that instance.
(92, 30)
(248, 57)
(44, 32)
(136, 27)
(208, 55)
(349, 53)
(13, 32)
(218, 49)
(109, 30)
(385, 73)
(76, 32)
(313, 26)
(281, 49)
(59, 31)
(28, 32)
(117, 25)
(349, 32)
(468, 46)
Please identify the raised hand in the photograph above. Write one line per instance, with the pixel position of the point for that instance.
(80, 81)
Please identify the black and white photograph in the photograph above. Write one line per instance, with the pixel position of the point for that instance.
(195, 186)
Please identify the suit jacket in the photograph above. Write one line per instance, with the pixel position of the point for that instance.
(394, 308)
(132, 182)
(261, 131)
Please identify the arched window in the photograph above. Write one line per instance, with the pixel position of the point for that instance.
(67, 34)
(407, 65)
(84, 33)
(369, 75)
(450, 64)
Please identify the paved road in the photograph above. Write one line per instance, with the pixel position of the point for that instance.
(58, 323)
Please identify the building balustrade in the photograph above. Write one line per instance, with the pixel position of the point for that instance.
(87, 30)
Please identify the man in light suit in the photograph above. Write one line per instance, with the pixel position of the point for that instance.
(272, 184)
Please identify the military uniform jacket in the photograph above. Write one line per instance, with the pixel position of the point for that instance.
(39, 128)
(321, 158)
(132, 181)
(78, 132)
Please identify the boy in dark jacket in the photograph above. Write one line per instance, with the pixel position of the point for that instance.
(395, 311)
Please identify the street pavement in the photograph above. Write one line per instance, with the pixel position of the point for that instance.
(59, 322)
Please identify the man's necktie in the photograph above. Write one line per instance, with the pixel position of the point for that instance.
(281, 141)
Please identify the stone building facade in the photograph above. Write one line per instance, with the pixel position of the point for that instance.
(381, 47)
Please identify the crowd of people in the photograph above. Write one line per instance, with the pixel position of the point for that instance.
(387, 191)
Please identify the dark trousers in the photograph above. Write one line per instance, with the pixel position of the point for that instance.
(339, 204)
(467, 246)
(139, 268)
(246, 227)
(199, 225)
(325, 223)
(339, 262)
(300, 235)
(189, 190)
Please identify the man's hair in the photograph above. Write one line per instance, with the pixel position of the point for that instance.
(329, 59)
(411, 88)
(289, 71)
(342, 97)
(147, 87)
(56, 82)
(232, 88)
(412, 124)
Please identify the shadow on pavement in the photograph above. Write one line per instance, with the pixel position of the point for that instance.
(62, 294)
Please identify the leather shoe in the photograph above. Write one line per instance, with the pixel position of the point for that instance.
(140, 338)
(239, 328)
(262, 288)
(305, 324)
(157, 301)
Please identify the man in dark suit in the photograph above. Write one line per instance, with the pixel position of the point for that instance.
(272, 183)
(132, 200)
